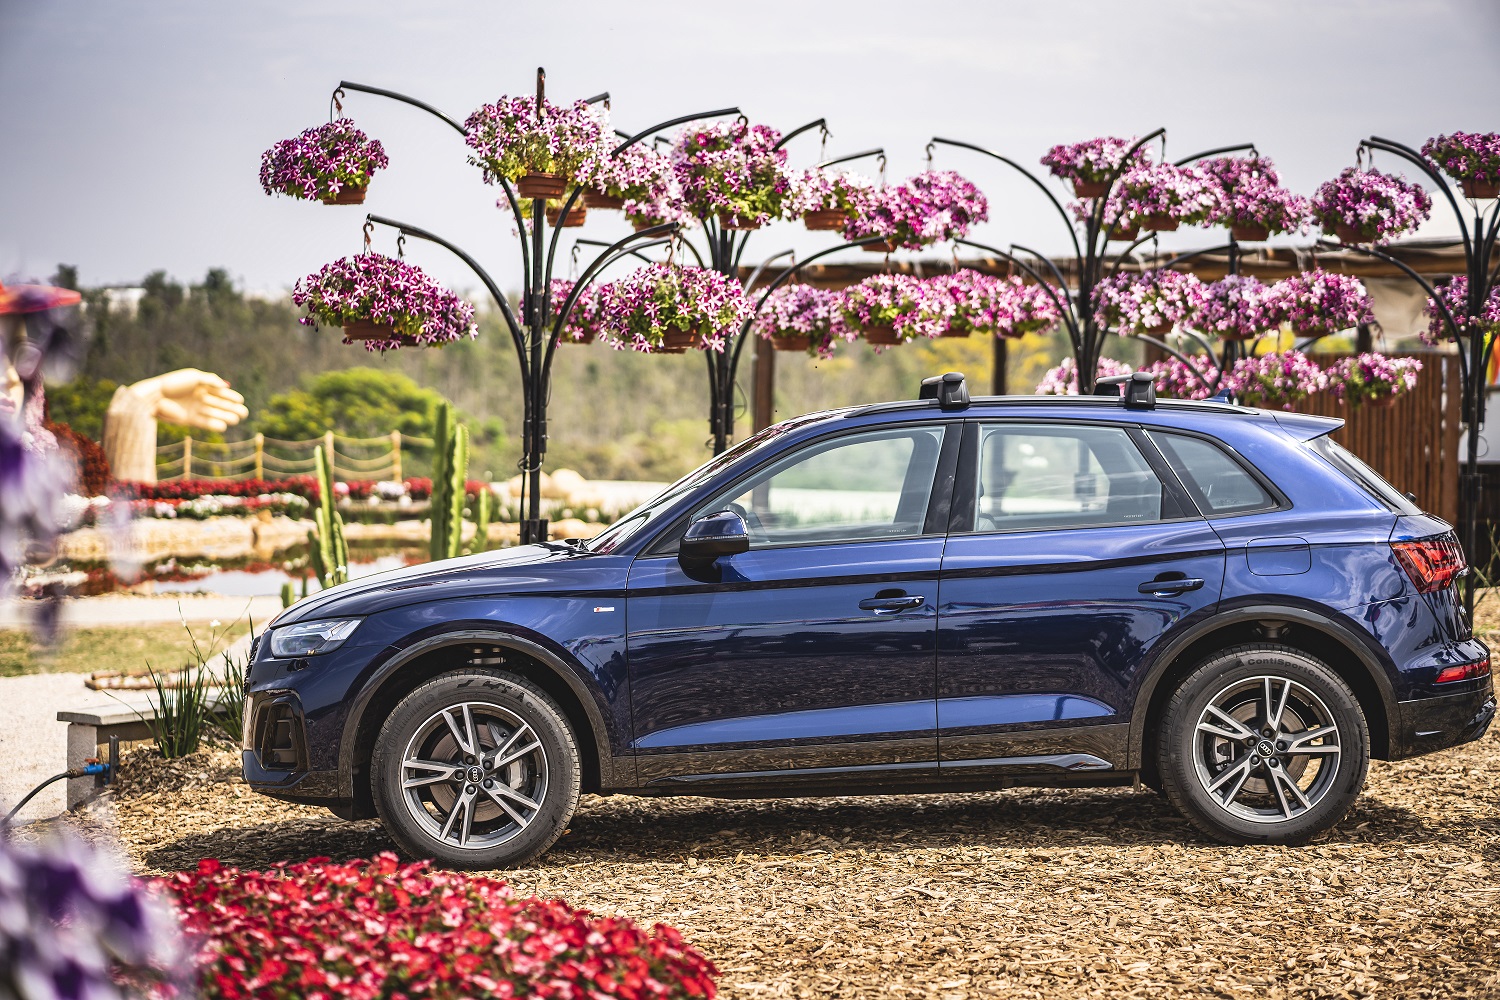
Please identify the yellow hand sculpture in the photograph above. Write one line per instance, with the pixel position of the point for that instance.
(188, 396)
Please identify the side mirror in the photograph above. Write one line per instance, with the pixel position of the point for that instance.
(722, 533)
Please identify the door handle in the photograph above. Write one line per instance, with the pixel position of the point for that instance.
(890, 605)
(1165, 587)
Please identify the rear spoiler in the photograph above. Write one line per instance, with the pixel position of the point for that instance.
(1306, 426)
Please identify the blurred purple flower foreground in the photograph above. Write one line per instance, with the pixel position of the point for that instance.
(74, 925)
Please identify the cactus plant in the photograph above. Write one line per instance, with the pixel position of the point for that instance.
(483, 512)
(288, 594)
(328, 550)
(451, 465)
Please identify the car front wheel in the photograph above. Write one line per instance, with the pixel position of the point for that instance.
(476, 770)
(1263, 744)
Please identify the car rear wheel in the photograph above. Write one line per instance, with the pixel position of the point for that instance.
(476, 770)
(1263, 744)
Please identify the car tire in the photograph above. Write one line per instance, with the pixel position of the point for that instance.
(476, 770)
(1229, 740)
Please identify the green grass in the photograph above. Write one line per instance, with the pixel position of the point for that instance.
(126, 648)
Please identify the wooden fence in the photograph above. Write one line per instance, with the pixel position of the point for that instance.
(260, 457)
(1413, 443)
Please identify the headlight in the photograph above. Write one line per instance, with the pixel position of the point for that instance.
(311, 638)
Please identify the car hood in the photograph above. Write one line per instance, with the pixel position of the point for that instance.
(524, 568)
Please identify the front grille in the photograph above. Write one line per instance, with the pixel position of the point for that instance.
(279, 742)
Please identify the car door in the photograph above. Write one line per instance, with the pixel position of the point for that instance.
(1073, 550)
(813, 652)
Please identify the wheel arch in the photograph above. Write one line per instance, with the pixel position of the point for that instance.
(425, 659)
(1316, 631)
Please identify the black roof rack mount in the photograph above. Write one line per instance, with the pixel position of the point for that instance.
(1139, 389)
(948, 389)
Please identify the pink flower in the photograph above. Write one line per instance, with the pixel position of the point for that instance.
(1374, 205)
(1091, 161)
(930, 207)
(1317, 303)
(1146, 302)
(1466, 156)
(321, 162)
(804, 311)
(377, 289)
(638, 310)
(1063, 380)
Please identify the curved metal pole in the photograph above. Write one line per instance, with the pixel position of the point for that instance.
(760, 268)
(1420, 162)
(1114, 176)
(1061, 281)
(1194, 253)
(668, 124)
(633, 252)
(562, 216)
(1130, 253)
(821, 122)
(615, 251)
(1065, 310)
(1215, 152)
(395, 96)
(877, 151)
(1067, 219)
(489, 283)
(1185, 359)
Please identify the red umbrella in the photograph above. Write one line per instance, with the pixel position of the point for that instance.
(35, 298)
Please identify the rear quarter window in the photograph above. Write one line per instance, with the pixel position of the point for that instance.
(1364, 477)
(1219, 483)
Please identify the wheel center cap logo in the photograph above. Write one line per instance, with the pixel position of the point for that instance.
(475, 775)
(1265, 749)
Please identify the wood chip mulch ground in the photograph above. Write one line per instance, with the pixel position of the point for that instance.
(1023, 893)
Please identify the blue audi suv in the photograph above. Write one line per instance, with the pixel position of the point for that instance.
(930, 595)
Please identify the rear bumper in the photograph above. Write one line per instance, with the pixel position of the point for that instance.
(1442, 721)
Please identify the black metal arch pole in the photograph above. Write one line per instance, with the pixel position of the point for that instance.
(1474, 347)
(536, 331)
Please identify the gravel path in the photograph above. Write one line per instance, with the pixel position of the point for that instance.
(1025, 893)
(129, 609)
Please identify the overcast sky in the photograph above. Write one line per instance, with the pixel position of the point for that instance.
(132, 130)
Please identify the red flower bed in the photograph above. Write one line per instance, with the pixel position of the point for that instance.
(93, 464)
(376, 928)
(302, 486)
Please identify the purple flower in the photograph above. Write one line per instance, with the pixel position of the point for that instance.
(1455, 295)
(1277, 379)
(1251, 196)
(1237, 306)
(1317, 303)
(1091, 161)
(638, 310)
(1185, 194)
(508, 141)
(911, 306)
(930, 207)
(804, 311)
(821, 189)
(377, 289)
(1466, 156)
(732, 169)
(321, 162)
(1193, 379)
(1373, 205)
(1373, 376)
(1146, 302)
(1063, 380)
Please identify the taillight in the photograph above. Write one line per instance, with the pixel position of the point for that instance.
(1432, 563)
(1464, 671)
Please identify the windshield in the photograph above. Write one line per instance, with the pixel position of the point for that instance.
(631, 524)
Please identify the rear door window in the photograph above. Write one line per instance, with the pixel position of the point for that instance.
(1219, 483)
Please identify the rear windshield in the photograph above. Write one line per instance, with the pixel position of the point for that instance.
(1369, 480)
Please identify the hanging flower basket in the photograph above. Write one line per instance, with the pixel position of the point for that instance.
(1164, 196)
(732, 169)
(1088, 165)
(1471, 158)
(1319, 303)
(575, 218)
(881, 246)
(825, 220)
(1250, 234)
(603, 202)
(1125, 235)
(661, 307)
(1063, 380)
(1236, 307)
(331, 163)
(1366, 206)
(584, 319)
(540, 157)
(1455, 295)
(1373, 378)
(994, 307)
(1276, 379)
(1151, 302)
(802, 318)
(1251, 202)
(909, 306)
(371, 294)
(929, 208)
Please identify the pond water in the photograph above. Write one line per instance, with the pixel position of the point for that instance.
(265, 582)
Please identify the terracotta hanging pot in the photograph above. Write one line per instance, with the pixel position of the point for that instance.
(1090, 189)
(363, 329)
(953, 331)
(1250, 234)
(541, 185)
(886, 246)
(732, 221)
(677, 342)
(1478, 189)
(1348, 234)
(576, 216)
(882, 336)
(640, 224)
(602, 201)
(587, 338)
(1383, 402)
(1159, 329)
(793, 342)
(1159, 223)
(347, 196)
(826, 219)
(1125, 235)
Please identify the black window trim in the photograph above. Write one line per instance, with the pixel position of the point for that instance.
(664, 545)
(1272, 490)
(963, 520)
